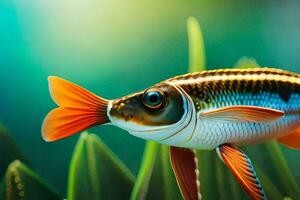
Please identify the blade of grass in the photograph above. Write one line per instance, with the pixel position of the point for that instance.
(196, 46)
(96, 171)
(156, 179)
(282, 169)
(143, 178)
(22, 183)
(269, 187)
(8, 150)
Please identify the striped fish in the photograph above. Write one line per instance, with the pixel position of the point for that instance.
(213, 110)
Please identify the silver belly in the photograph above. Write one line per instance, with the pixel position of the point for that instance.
(210, 134)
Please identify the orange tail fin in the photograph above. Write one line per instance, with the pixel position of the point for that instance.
(78, 110)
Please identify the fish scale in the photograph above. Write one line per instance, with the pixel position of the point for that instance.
(263, 87)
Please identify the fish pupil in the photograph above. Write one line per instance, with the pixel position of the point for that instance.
(154, 98)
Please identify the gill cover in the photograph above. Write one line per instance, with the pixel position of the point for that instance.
(78, 110)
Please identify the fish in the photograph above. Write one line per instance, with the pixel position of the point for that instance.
(218, 110)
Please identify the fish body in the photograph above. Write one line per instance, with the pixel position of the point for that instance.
(200, 110)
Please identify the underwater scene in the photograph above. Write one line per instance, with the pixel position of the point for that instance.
(95, 102)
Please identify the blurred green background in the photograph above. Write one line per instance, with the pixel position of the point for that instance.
(115, 47)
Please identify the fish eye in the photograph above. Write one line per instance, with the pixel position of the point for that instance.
(153, 99)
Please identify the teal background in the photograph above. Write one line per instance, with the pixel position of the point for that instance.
(115, 47)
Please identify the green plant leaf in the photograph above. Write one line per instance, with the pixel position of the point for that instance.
(156, 179)
(95, 171)
(196, 46)
(8, 150)
(269, 187)
(145, 173)
(23, 183)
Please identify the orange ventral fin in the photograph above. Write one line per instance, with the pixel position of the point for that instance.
(291, 140)
(240, 165)
(243, 114)
(185, 166)
(79, 110)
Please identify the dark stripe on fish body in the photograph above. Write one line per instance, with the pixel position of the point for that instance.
(285, 90)
(208, 91)
(255, 87)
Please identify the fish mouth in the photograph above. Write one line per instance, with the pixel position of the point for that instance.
(115, 112)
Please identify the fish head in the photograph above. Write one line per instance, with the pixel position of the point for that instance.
(150, 114)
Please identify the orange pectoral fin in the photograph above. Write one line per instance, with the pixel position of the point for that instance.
(79, 110)
(243, 114)
(291, 140)
(240, 165)
(185, 167)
